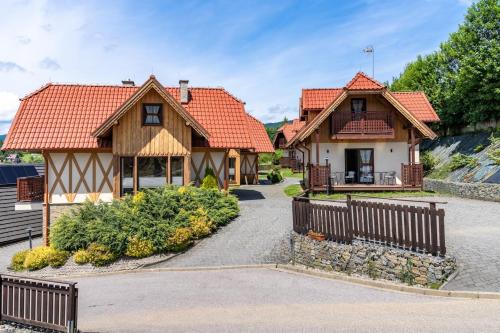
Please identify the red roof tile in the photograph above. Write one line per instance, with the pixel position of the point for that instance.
(415, 102)
(361, 81)
(259, 136)
(63, 116)
(290, 129)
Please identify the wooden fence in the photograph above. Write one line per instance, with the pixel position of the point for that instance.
(46, 304)
(30, 188)
(409, 227)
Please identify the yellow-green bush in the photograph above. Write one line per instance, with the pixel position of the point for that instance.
(180, 239)
(17, 262)
(81, 257)
(139, 248)
(100, 255)
(37, 258)
(57, 258)
(200, 223)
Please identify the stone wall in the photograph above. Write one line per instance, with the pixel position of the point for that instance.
(481, 191)
(372, 260)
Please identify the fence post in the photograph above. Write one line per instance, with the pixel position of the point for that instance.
(433, 216)
(71, 309)
(1, 297)
(349, 219)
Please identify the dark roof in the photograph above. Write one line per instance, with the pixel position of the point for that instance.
(10, 172)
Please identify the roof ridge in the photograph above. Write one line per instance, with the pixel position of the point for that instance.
(42, 88)
(321, 89)
(362, 74)
(408, 92)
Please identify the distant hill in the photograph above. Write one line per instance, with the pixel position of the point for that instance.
(274, 125)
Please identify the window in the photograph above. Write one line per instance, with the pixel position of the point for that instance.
(152, 172)
(126, 175)
(232, 169)
(152, 114)
(358, 106)
(176, 170)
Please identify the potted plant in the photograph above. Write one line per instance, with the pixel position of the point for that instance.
(316, 235)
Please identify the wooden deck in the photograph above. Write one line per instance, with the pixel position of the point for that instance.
(366, 188)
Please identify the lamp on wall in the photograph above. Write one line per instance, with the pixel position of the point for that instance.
(391, 150)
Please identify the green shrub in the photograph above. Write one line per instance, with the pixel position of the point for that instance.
(406, 274)
(37, 258)
(200, 223)
(100, 255)
(459, 161)
(180, 240)
(210, 180)
(287, 172)
(139, 248)
(274, 175)
(81, 257)
(17, 262)
(57, 258)
(479, 147)
(428, 161)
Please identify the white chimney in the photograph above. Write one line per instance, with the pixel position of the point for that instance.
(183, 84)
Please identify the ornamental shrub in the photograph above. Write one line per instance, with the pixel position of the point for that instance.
(57, 258)
(100, 255)
(81, 257)
(200, 223)
(274, 175)
(139, 248)
(180, 240)
(209, 182)
(37, 258)
(17, 262)
(428, 161)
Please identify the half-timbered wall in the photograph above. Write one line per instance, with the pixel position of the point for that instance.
(215, 159)
(248, 167)
(73, 177)
(131, 138)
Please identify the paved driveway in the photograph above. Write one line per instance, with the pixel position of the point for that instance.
(258, 235)
(265, 300)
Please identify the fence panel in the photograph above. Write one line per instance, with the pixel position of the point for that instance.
(46, 304)
(409, 227)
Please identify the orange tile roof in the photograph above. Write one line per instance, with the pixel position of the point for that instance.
(63, 116)
(415, 102)
(290, 129)
(259, 136)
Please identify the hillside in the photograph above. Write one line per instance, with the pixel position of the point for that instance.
(2, 137)
(472, 157)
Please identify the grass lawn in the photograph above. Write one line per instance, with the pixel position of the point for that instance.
(295, 189)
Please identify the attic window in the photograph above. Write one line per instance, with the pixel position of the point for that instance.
(152, 114)
(358, 107)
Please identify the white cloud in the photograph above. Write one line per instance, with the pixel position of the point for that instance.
(4, 127)
(9, 102)
(50, 64)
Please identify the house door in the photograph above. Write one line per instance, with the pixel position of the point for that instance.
(359, 164)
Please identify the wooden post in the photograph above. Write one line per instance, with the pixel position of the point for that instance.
(433, 220)
(187, 169)
(349, 220)
(46, 199)
(317, 147)
(412, 142)
(135, 179)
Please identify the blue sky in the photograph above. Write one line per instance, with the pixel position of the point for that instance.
(264, 52)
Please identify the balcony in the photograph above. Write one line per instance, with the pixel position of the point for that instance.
(30, 191)
(366, 125)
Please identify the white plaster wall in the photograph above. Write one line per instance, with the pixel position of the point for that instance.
(197, 158)
(80, 191)
(384, 158)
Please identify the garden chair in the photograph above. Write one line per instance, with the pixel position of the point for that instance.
(390, 178)
(350, 177)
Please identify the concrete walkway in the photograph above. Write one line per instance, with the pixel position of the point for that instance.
(259, 235)
(266, 300)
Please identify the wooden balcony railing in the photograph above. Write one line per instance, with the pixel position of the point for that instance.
(367, 123)
(30, 188)
(290, 162)
(412, 175)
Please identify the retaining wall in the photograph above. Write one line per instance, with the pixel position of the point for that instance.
(372, 260)
(481, 191)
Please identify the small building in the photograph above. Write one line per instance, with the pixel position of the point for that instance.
(101, 142)
(14, 220)
(363, 136)
(292, 158)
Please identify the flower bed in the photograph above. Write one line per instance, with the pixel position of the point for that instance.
(155, 221)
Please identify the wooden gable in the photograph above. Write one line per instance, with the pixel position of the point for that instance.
(131, 137)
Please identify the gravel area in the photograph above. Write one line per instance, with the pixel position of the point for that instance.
(266, 300)
(259, 235)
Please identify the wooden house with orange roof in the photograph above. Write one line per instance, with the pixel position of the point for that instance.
(362, 136)
(284, 134)
(101, 142)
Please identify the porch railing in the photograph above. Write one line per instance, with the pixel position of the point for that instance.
(41, 303)
(30, 188)
(370, 122)
(412, 175)
(290, 162)
(404, 226)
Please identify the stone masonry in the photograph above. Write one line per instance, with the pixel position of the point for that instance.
(372, 260)
(480, 191)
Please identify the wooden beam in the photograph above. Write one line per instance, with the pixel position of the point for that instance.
(135, 179)
(412, 150)
(187, 169)
(46, 199)
(317, 147)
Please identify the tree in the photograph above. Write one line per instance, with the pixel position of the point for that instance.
(461, 79)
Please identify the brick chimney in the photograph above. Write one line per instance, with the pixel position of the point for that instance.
(183, 85)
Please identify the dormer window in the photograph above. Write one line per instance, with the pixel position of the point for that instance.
(358, 107)
(152, 114)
